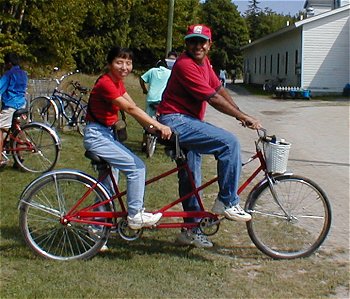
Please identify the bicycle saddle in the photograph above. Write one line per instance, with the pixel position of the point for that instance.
(95, 159)
(19, 112)
(172, 148)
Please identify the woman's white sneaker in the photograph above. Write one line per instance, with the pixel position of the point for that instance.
(143, 219)
(233, 213)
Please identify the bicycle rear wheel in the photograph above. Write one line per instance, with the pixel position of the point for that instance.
(44, 110)
(46, 201)
(81, 123)
(151, 142)
(36, 148)
(298, 230)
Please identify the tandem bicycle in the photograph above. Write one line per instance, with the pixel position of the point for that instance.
(291, 215)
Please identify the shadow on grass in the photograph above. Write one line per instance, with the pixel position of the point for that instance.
(13, 244)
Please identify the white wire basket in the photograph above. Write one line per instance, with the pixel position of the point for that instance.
(276, 156)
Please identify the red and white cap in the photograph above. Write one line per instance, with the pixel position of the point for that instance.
(198, 30)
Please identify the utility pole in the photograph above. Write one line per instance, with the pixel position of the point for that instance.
(169, 41)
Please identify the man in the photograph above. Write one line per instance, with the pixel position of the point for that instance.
(13, 85)
(153, 83)
(192, 85)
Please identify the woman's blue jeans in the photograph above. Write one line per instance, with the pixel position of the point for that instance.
(199, 138)
(100, 140)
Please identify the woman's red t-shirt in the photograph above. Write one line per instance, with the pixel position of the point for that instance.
(103, 93)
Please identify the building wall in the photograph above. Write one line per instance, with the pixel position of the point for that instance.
(326, 54)
(280, 57)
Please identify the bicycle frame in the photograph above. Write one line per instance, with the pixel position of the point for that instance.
(16, 127)
(59, 100)
(85, 215)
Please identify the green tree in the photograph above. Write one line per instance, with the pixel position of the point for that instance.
(263, 22)
(11, 19)
(52, 30)
(106, 24)
(149, 27)
(229, 33)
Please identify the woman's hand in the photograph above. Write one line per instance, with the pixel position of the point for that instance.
(162, 130)
(165, 132)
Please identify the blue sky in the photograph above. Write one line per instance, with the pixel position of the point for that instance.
(291, 7)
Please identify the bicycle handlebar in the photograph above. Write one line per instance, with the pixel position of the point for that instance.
(80, 88)
(59, 81)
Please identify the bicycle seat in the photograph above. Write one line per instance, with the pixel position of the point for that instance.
(95, 159)
(19, 112)
(172, 148)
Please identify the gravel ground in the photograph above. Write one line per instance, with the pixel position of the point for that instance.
(319, 133)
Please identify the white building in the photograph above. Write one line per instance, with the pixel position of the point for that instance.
(312, 53)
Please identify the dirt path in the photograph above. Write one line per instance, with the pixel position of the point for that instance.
(319, 133)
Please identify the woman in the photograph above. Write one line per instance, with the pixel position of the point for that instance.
(107, 97)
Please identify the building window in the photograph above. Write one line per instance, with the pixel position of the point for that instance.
(260, 65)
(278, 63)
(271, 64)
(255, 65)
(297, 64)
(286, 64)
(265, 64)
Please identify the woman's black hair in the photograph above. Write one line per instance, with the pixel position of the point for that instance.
(120, 53)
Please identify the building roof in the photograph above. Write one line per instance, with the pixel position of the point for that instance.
(297, 25)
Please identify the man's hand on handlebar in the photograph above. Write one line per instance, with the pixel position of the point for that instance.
(251, 123)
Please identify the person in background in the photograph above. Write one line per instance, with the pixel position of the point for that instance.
(222, 76)
(13, 86)
(153, 83)
(107, 97)
(192, 85)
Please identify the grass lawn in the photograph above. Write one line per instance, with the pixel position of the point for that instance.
(154, 266)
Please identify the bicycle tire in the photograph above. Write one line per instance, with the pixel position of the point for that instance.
(44, 150)
(151, 142)
(42, 207)
(298, 235)
(81, 123)
(69, 114)
(44, 110)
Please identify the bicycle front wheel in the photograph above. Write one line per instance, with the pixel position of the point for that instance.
(44, 110)
(151, 142)
(293, 227)
(36, 148)
(46, 201)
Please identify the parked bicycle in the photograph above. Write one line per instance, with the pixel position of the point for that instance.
(270, 85)
(151, 139)
(67, 214)
(35, 147)
(62, 109)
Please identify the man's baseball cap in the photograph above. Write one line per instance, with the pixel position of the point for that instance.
(198, 30)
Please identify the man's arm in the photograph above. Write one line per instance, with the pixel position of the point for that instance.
(143, 86)
(224, 103)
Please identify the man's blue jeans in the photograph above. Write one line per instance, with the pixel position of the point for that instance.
(203, 138)
(100, 140)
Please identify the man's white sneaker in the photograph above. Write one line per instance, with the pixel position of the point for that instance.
(233, 213)
(142, 219)
(193, 237)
